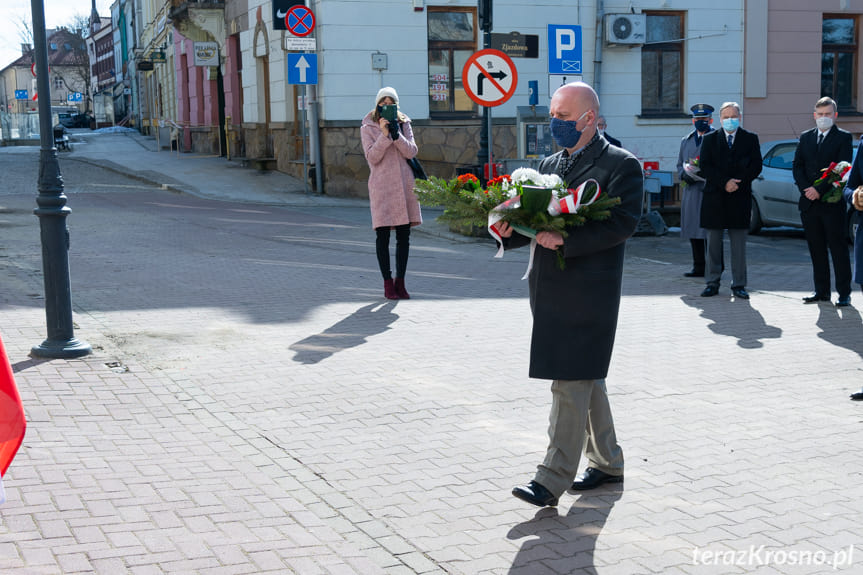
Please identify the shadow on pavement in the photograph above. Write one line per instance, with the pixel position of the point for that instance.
(735, 319)
(563, 543)
(350, 332)
(841, 327)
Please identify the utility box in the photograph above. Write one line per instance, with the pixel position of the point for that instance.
(534, 134)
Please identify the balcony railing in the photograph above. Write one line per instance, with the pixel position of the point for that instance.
(180, 8)
(184, 4)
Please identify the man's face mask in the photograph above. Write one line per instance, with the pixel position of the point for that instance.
(702, 125)
(731, 124)
(564, 132)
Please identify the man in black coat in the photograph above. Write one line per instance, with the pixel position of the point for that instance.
(823, 213)
(575, 309)
(601, 126)
(730, 160)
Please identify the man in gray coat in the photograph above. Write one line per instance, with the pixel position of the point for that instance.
(575, 309)
(693, 186)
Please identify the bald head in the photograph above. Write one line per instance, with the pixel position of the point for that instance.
(577, 102)
(579, 92)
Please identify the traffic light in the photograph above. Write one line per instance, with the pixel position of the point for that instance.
(484, 10)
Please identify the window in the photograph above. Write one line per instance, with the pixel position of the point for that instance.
(58, 82)
(838, 60)
(452, 40)
(662, 65)
(781, 156)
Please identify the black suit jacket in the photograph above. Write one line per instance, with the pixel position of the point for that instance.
(809, 159)
(612, 140)
(719, 163)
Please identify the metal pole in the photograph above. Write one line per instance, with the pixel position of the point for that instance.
(227, 137)
(52, 212)
(303, 125)
(485, 138)
(490, 145)
(315, 138)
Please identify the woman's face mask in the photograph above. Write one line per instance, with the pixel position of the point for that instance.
(564, 132)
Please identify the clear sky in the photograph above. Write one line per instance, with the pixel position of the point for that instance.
(57, 13)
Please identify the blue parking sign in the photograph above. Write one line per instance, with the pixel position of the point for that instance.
(302, 68)
(564, 49)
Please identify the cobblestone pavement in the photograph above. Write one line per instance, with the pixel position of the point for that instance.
(254, 405)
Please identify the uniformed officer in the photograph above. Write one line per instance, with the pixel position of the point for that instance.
(693, 186)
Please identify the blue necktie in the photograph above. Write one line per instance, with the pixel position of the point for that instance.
(730, 140)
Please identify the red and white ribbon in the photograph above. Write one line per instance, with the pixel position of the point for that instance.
(494, 218)
(569, 204)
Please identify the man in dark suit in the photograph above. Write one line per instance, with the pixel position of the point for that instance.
(853, 195)
(823, 212)
(730, 160)
(575, 308)
(601, 126)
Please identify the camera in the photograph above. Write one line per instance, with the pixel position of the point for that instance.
(390, 114)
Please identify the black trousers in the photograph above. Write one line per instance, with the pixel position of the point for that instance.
(824, 226)
(382, 247)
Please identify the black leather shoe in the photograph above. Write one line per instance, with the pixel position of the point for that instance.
(844, 301)
(592, 478)
(536, 494)
(816, 297)
(857, 395)
(710, 290)
(740, 292)
(694, 274)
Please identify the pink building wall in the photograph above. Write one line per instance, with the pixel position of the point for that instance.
(794, 70)
(197, 95)
(233, 89)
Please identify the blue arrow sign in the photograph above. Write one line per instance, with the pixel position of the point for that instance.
(21, 95)
(302, 68)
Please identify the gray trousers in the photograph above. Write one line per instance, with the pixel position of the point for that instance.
(580, 419)
(737, 238)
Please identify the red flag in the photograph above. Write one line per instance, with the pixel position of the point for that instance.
(12, 422)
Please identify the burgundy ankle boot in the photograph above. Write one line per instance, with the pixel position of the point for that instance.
(401, 292)
(390, 289)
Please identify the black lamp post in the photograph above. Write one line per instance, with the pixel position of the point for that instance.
(484, 13)
(52, 212)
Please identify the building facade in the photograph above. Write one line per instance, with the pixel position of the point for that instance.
(649, 61)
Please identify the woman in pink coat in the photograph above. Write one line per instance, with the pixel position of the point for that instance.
(391, 182)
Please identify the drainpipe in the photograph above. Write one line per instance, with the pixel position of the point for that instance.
(597, 57)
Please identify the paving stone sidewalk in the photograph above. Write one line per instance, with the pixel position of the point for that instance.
(253, 405)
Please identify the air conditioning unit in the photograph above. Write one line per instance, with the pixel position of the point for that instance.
(625, 29)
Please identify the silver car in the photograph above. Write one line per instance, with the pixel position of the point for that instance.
(774, 194)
